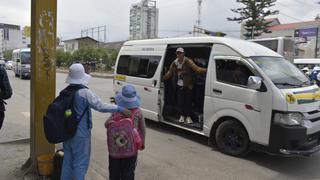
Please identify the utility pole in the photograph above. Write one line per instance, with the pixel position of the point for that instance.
(198, 23)
(43, 74)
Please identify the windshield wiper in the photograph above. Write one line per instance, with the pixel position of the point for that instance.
(287, 84)
(305, 83)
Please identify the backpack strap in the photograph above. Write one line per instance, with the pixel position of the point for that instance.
(74, 88)
(83, 113)
(133, 113)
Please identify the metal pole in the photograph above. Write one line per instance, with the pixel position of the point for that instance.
(105, 33)
(316, 48)
(43, 74)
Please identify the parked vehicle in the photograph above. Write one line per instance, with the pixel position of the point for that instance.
(9, 65)
(306, 63)
(276, 108)
(21, 62)
(285, 46)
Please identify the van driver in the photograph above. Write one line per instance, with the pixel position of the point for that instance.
(181, 70)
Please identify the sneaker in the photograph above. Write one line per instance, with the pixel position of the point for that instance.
(181, 119)
(189, 120)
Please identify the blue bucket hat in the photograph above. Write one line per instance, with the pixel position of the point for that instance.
(128, 97)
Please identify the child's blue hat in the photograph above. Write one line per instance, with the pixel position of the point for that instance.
(128, 97)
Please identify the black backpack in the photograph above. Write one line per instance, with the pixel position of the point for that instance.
(60, 122)
(5, 87)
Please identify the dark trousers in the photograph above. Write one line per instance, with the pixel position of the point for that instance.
(122, 169)
(184, 95)
(198, 96)
(1, 118)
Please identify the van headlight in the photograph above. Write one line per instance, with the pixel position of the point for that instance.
(290, 119)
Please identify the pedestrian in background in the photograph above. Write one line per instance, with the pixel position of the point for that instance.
(314, 75)
(77, 149)
(123, 151)
(5, 92)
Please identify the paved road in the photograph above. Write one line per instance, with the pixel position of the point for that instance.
(171, 154)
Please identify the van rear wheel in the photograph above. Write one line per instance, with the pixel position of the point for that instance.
(232, 138)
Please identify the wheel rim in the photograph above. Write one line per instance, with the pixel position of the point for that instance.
(233, 139)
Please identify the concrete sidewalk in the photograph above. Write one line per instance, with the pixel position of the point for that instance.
(15, 143)
(15, 151)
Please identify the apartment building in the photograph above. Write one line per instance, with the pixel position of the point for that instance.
(144, 18)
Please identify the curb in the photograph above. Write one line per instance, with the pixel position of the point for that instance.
(17, 141)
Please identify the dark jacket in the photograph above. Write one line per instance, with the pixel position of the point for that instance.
(188, 68)
(5, 88)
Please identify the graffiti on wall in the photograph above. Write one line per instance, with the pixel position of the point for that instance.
(46, 40)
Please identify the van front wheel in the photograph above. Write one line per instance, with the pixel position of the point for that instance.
(232, 138)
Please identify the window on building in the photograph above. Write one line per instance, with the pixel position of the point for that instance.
(6, 34)
(138, 66)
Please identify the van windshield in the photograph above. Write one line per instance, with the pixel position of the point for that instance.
(25, 58)
(282, 73)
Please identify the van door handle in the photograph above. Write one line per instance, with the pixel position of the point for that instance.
(217, 91)
(147, 89)
(119, 83)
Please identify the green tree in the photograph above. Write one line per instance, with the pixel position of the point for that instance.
(63, 58)
(104, 58)
(253, 15)
(7, 55)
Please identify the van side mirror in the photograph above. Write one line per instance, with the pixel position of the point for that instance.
(254, 82)
(18, 60)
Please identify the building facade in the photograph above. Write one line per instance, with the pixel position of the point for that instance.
(144, 18)
(10, 37)
(72, 45)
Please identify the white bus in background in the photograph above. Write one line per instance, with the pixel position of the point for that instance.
(306, 65)
(282, 45)
(21, 59)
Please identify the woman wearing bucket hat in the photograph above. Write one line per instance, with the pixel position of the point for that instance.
(122, 168)
(77, 149)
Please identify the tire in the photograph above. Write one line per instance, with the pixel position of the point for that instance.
(232, 138)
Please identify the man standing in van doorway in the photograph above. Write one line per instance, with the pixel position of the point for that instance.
(181, 70)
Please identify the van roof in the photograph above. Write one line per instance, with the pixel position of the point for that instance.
(22, 50)
(245, 48)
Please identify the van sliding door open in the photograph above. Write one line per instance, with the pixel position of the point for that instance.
(176, 98)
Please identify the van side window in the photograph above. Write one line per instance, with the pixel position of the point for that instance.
(223, 50)
(138, 66)
(232, 72)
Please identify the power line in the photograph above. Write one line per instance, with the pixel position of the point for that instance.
(280, 12)
(290, 16)
(306, 4)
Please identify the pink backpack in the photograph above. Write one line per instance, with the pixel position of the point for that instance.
(123, 139)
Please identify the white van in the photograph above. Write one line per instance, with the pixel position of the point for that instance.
(275, 110)
(21, 59)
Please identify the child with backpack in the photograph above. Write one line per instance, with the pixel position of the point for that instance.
(125, 136)
(77, 149)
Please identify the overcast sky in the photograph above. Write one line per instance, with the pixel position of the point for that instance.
(176, 17)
